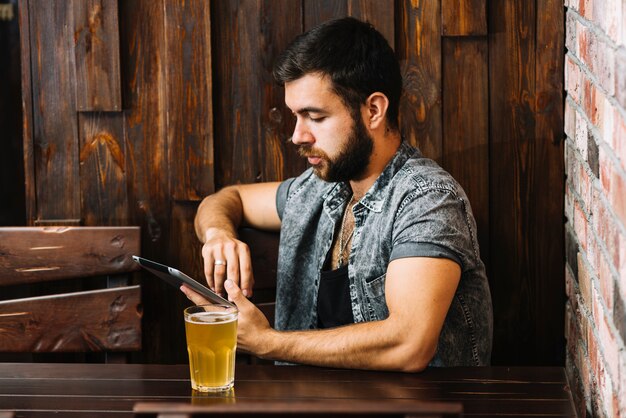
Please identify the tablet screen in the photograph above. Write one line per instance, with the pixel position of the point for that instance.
(176, 278)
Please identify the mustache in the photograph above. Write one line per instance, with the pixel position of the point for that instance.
(309, 151)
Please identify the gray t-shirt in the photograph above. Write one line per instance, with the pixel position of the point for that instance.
(414, 209)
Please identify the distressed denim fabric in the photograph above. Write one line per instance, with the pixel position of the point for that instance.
(414, 209)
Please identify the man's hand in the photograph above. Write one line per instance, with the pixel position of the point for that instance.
(216, 223)
(225, 257)
(252, 325)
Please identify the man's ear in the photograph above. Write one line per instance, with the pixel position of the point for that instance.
(376, 107)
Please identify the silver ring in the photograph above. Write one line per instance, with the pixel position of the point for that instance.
(220, 263)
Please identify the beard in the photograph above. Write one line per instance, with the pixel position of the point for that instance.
(352, 159)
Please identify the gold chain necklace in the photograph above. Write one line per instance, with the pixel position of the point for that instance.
(342, 244)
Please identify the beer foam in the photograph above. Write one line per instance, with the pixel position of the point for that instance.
(211, 318)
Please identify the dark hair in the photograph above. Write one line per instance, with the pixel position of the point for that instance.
(355, 56)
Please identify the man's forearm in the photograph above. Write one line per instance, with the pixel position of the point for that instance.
(378, 345)
(222, 210)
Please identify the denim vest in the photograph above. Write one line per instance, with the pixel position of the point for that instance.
(414, 209)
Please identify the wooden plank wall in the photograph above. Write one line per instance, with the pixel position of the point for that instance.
(136, 110)
(526, 180)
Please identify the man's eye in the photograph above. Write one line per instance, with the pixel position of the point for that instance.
(318, 119)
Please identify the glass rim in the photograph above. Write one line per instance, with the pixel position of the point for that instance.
(217, 309)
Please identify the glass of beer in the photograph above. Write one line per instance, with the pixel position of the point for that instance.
(211, 343)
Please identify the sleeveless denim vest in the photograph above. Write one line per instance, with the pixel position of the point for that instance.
(414, 209)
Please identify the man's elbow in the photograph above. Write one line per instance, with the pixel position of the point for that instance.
(416, 363)
(415, 357)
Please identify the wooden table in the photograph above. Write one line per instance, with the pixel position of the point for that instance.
(98, 390)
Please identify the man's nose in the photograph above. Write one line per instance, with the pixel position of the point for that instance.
(301, 135)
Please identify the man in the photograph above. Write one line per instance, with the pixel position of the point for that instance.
(379, 266)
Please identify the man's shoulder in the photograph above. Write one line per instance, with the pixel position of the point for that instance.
(423, 175)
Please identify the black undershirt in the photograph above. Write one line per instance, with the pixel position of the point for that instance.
(333, 299)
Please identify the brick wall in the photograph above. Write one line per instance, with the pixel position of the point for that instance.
(595, 204)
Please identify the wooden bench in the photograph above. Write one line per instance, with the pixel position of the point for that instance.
(37, 267)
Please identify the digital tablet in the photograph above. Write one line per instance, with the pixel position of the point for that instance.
(177, 278)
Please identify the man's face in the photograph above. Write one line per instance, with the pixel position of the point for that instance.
(335, 142)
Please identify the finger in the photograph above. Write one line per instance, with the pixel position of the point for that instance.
(234, 293)
(245, 271)
(220, 267)
(232, 263)
(209, 264)
(219, 274)
(193, 296)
